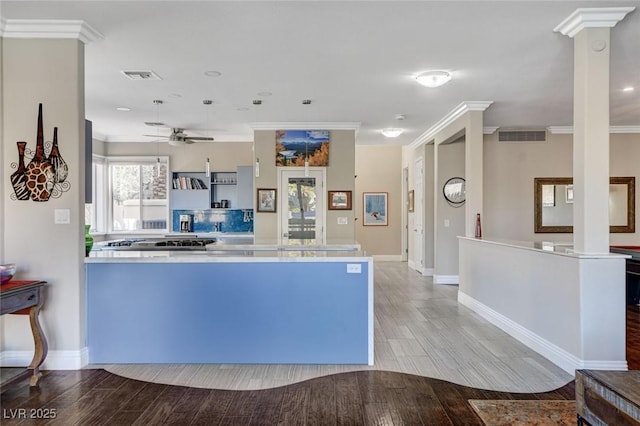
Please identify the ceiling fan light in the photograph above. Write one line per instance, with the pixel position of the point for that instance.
(392, 132)
(433, 78)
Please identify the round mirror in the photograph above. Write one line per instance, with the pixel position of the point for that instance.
(454, 190)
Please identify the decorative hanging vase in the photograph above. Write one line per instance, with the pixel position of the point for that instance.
(88, 240)
(59, 165)
(478, 226)
(40, 173)
(18, 178)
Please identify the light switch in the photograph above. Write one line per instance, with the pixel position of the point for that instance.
(446, 223)
(61, 216)
(342, 221)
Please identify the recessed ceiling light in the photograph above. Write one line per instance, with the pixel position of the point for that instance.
(628, 89)
(243, 109)
(392, 132)
(175, 95)
(212, 73)
(435, 78)
(265, 93)
(123, 109)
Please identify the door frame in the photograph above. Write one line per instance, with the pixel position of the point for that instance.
(322, 222)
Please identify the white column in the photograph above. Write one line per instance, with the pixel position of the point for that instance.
(473, 170)
(590, 29)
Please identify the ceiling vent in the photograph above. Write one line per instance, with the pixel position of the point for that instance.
(154, 123)
(522, 136)
(141, 75)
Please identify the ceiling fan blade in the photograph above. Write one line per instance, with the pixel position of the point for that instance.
(189, 141)
(199, 138)
(156, 136)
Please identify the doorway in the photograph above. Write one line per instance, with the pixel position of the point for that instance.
(301, 207)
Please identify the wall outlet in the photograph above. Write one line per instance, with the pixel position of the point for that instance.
(61, 216)
(342, 221)
(446, 223)
(354, 268)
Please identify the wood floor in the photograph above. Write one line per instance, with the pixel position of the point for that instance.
(97, 397)
(419, 329)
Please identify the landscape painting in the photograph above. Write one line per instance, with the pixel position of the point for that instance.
(294, 146)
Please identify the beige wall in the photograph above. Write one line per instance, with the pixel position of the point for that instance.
(224, 156)
(50, 72)
(339, 176)
(451, 163)
(379, 169)
(510, 168)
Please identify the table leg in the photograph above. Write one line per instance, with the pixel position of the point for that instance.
(40, 342)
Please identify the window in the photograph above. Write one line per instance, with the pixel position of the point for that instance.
(138, 195)
(95, 212)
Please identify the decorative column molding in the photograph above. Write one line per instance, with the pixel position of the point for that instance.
(590, 29)
(601, 17)
(47, 28)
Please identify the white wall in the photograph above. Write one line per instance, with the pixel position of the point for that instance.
(50, 72)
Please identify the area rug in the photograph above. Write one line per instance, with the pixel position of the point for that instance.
(525, 412)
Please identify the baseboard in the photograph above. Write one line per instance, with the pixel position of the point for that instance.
(445, 279)
(387, 257)
(427, 272)
(563, 359)
(56, 360)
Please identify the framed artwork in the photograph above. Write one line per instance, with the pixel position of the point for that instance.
(294, 147)
(266, 200)
(339, 200)
(569, 193)
(410, 200)
(375, 208)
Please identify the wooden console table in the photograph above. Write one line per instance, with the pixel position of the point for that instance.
(26, 298)
(608, 397)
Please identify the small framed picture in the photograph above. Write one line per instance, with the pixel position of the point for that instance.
(339, 200)
(410, 200)
(266, 200)
(375, 208)
(569, 193)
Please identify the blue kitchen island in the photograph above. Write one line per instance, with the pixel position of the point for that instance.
(231, 307)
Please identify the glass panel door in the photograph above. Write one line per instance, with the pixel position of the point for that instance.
(302, 206)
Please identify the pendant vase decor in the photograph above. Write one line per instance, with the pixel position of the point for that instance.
(478, 226)
(40, 173)
(88, 240)
(18, 178)
(59, 165)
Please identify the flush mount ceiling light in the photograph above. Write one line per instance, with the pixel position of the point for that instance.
(212, 73)
(392, 132)
(433, 78)
(125, 109)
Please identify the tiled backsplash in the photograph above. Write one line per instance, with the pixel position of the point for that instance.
(216, 220)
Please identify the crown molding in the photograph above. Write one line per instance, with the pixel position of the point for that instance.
(456, 113)
(596, 17)
(568, 130)
(309, 125)
(489, 130)
(48, 28)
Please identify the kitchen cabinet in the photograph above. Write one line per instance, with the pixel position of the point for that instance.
(187, 192)
(234, 186)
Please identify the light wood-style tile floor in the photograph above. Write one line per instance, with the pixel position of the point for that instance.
(419, 329)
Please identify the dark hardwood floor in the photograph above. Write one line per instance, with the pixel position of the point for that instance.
(633, 337)
(97, 397)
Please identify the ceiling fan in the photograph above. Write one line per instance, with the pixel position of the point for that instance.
(179, 138)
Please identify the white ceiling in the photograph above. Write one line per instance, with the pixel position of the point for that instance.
(354, 60)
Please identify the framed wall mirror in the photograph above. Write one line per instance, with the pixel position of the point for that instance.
(553, 204)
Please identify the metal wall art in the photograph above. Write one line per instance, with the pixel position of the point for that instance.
(46, 175)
